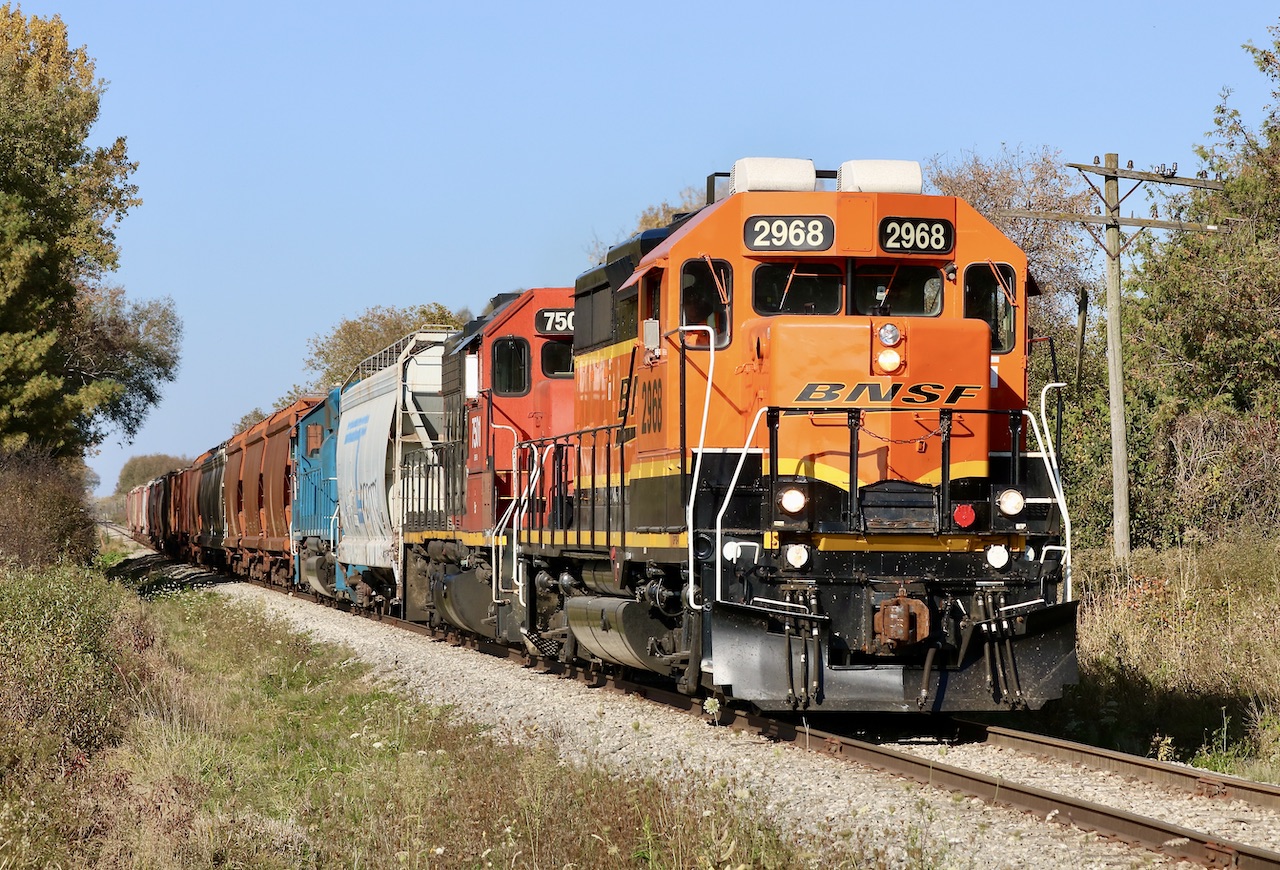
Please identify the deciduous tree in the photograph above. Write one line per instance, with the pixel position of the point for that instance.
(248, 421)
(139, 469)
(1203, 322)
(75, 357)
(659, 215)
(334, 355)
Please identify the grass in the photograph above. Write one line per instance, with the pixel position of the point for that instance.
(180, 731)
(1180, 656)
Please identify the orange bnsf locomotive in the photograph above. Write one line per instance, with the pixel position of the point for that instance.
(780, 452)
(801, 471)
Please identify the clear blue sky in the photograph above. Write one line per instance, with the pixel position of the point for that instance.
(301, 162)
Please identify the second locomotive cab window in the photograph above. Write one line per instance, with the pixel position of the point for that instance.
(510, 367)
(797, 288)
(891, 288)
(557, 359)
(988, 295)
(315, 437)
(706, 290)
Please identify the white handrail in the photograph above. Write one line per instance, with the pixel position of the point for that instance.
(697, 463)
(1050, 458)
(519, 522)
(494, 548)
(733, 482)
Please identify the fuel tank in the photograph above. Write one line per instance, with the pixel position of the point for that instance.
(619, 630)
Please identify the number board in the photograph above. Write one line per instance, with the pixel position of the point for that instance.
(813, 232)
(916, 235)
(554, 321)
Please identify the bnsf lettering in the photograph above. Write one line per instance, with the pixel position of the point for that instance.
(884, 394)
(961, 391)
(874, 393)
(923, 394)
(820, 393)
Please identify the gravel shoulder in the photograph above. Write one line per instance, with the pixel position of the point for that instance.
(825, 802)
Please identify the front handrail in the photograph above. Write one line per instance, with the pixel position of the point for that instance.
(697, 462)
(1055, 480)
(724, 507)
(1048, 456)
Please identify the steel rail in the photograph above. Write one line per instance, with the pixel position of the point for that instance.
(1204, 783)
(1153, 834)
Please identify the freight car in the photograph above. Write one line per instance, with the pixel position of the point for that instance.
(780, 451)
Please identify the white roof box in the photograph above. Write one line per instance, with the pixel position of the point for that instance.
(772, 173)
(880, 176)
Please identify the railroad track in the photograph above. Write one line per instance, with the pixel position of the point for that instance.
(1203, 847)
(1207, 848)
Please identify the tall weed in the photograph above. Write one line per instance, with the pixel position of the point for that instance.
(44, 516)
(1180, 655)
(71, 648)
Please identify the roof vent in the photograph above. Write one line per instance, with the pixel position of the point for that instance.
(880, 176)
(772, 173)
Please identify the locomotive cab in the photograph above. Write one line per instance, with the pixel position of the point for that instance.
(507, 382)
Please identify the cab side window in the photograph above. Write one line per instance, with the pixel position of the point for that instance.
(706, 293)
(988, 295)
(510, 367)
(798, 288)
(557, 358)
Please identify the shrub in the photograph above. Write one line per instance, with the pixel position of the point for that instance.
(44, 519)
(68, 647)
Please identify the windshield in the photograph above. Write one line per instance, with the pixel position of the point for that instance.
(888, 288)
(798, 288)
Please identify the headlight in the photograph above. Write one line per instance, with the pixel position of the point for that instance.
(797, 555)
(792, 500)
(997, 556)
(1011, 502)
(889, 335)
(889, 360)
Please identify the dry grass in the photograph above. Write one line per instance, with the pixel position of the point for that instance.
(43, 516)
(254, 747)
(1181, 656)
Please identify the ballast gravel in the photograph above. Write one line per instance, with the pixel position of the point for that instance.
(824, 802)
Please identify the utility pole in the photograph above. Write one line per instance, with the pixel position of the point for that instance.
(1111, 221)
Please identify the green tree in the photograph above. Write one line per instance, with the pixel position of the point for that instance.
(1207, 306)
(139, 469)
(1203, 329)
(133, 347)
(75, 358)
(334, 355)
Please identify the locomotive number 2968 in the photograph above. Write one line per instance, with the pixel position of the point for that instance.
(788, 232)
(650, 407)
(916, 235)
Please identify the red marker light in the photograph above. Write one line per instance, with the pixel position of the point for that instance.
(964, 515)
